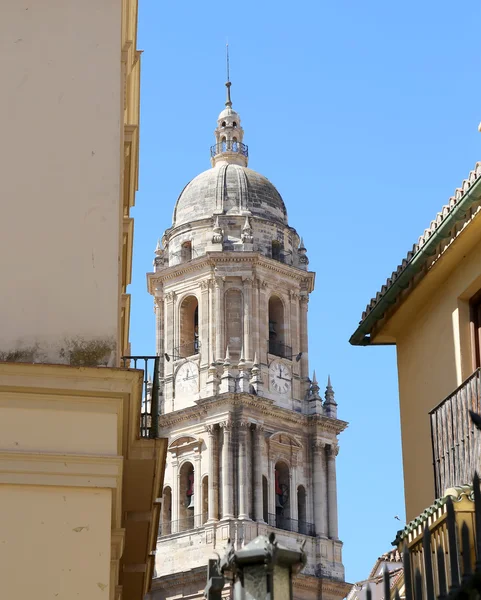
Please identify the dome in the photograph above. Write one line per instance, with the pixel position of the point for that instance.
(230, 189)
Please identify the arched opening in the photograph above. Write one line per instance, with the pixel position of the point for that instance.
(283, 507)
(265, 500)
(166, 521)
(223, 144)
(233, 323)
(186, 497)
(301, 509)
(277, 329)
(234, 145)
(189, 328)
(234, 124)
(186, 252)
(223, 123)
(276, 250)
(205, 499)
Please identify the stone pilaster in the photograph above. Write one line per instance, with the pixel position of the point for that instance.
(242, 431)
(319, 484)
(175, 495)
(159, 325)
(197, 490)
(293, 491)
(213, 481)
(332, 452)
(227, 474)
(303, 363)
(258, 461)
(219, 317)
(263, 321)
(169, 312)
(204, 318)
(247, 289)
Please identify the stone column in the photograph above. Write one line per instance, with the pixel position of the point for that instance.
(204, 315)
(248, 318)
(332, 452)
(175, 495)
(242, 431)
(169, 346)
(197, 490)
(293, 492)
(159, 321)
(219, 318)
(304, 363)
(213, 481)
(263, 322)
(258, 487)
(319, 484)
(227, 483)
(294, 311)
(271, 502)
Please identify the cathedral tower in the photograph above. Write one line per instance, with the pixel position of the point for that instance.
(252, 446)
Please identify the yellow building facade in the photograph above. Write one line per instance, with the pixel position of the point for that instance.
(429, 309)
(80, 481)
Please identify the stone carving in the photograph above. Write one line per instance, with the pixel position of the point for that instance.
(170, 296)
(247, 236)
(217, 233)
(332, 450)
(204, 284)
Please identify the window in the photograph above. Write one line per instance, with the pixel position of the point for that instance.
(475, 306)
(276, 250)
(189, 328)
(277, 344)
(166, 523)
(186, 497)
(186, 252)
(283, 512)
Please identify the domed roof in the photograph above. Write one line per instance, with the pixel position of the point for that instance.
(230, 189)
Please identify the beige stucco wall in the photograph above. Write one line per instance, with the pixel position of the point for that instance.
(60, 222)
(60, 536)
(432, 334)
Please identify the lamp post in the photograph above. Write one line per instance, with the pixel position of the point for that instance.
(262, 570)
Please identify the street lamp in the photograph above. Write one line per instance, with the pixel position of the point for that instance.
(262, 570)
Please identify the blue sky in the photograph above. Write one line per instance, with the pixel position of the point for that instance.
(364, 115)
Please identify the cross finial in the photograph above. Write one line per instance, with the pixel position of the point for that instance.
(228, 102)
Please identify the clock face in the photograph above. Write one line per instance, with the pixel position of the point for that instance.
(187, 378)
(280, 379)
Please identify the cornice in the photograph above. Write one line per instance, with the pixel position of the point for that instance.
(262, 406)
(215, 259)
(41, 468)
(329, 586)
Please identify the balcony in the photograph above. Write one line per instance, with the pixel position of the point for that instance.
(280, 349)
(229, 146)
(181, 525)
(455, 440)
(149, 410)
(288, 524)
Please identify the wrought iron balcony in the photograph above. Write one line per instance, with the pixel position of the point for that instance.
(288, 524)
(188, 349)
(181, 525)
(280, 349)
(149, 410)
(455, 440)
(229, 146)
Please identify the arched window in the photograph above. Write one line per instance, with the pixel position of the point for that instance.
(301, 509)
(282, 488)
(234, 124)
(186, 497)
(205, 499)
(186, 252)
(276, 250)
(233, 322)
(223, 123)
(265, 500)
(189, 328)
(166, 521)
(277, 329)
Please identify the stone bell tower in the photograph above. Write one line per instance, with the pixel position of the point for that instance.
(252, 445)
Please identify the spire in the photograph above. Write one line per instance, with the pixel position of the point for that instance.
(228, 101)
(229, 147)
(330, 404)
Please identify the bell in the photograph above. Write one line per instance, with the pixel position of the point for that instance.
(278, 502)
(191, 505)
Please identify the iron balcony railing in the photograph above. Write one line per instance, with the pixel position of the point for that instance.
(447, 566)
(149, 409)
(229, 146)
(288, 524)
(181, 525)
(187, 349)
(280, 349)
(455, 440)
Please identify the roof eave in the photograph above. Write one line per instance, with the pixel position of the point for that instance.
(362, 337)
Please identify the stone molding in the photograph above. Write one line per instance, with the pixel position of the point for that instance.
(260, 405)
(332, 450)
(253, 259)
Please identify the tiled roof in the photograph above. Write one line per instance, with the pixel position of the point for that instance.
(448, 209)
